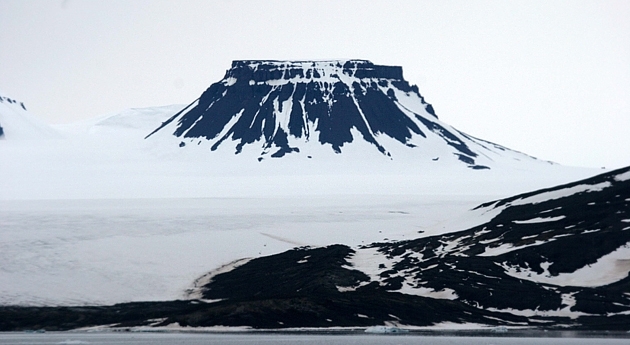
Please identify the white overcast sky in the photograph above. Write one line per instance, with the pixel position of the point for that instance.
(548, 78)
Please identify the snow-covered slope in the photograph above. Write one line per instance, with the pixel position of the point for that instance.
(131, 123)
(269, 109)
(16, 123)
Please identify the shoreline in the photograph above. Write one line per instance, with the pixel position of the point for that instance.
(351, 331)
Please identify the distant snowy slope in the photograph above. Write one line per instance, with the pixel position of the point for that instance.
(129, 122)
(119, 130)
(16, 123)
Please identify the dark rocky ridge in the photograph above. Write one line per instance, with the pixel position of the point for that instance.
(584, 227)
(279, 106)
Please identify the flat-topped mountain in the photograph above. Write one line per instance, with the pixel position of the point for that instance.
(275, 108)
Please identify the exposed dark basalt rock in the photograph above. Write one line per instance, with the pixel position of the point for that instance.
(281, 105)
(317, 270)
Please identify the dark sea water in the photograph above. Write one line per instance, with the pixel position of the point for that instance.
(310, 339)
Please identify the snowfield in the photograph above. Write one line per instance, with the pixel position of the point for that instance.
(115, 250)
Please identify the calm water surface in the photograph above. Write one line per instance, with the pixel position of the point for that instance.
(310, 339)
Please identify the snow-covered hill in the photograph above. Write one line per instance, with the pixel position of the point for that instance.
(131, 123)
(16, 123)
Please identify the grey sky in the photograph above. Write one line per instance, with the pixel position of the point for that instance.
(549, 78)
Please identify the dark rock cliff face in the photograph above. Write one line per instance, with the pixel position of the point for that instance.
(278, 106)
